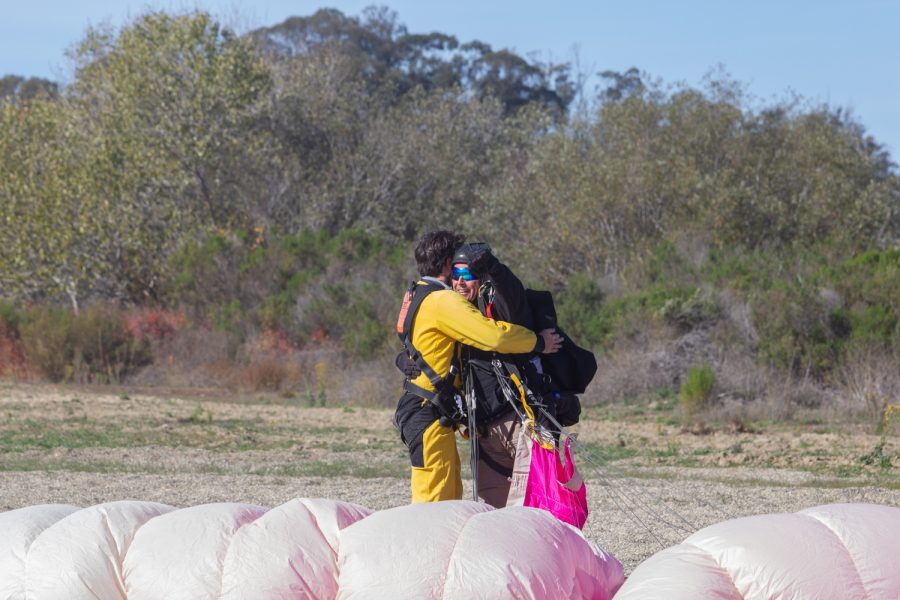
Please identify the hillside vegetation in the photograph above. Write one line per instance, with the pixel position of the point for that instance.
(196, 207)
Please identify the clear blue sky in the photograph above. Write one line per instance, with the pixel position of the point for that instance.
(844, 53)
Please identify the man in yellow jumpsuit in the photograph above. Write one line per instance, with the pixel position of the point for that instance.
(440, 321)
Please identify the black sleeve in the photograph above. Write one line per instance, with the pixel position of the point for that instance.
(510, 301)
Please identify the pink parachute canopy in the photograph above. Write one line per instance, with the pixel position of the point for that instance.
(311, 549)
(845, 551)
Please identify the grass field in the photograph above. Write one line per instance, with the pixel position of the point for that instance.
(650, 481)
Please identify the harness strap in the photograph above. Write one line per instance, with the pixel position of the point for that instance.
(412, 388)
(418, 295)
(516, 377)
(486, 295)
(528, 418)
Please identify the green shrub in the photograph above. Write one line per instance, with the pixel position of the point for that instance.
(10, 316)
(877, 456)
(12, 356)
(869, 285)
(595, 320)
(664, 265)
(364, 331)
(580, 311)
(687, 313)
(696, 390)
(306, 284)
(348, 314)
(227, 317)
(94, 346)
(798, 330)
(103, 345)
(875, 324)
(194, 263)
(46, 337)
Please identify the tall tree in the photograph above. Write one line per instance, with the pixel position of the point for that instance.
(156, 139)
(16, 89)
(55, 231)
(174, 99)
(394, 61)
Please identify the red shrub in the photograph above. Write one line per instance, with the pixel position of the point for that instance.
(12, 355)
(153, 323)
(271, 341)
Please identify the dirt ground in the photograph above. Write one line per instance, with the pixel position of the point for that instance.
(650, 484)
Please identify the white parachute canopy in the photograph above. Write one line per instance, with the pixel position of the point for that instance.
(312, 549)
(20, 528)
(846, 551)
(63, 560)
(467, 550)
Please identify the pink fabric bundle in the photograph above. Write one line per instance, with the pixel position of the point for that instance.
(556, 487)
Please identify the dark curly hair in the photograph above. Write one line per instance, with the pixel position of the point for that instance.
(435, 249)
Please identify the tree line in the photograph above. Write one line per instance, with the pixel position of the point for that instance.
(187, 166)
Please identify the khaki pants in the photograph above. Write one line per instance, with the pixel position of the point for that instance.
(499, 443)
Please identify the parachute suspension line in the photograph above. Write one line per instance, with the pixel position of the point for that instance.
(634, 490)
(634, 498)
(521, 388)
(635, 483)
(538, 433)
(630, 482)
(622, 501)
(508, 394)
(626, 504)
(629, 497)
(526, 412)
(546, 442)
(473, 431)
(526, 415)
(612, 493)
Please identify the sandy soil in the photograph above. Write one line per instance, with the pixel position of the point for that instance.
(74, 446)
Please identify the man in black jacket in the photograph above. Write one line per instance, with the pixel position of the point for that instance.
(483, 280)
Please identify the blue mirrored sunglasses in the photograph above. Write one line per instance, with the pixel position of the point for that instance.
(463, 272)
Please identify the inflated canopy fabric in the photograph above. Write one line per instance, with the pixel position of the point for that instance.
(468, 550)
(19, 529)
(318, 549)
(132, 549)
(846, 551)
(80, 556)
(305, 549)
(289, 552)
(180, 555)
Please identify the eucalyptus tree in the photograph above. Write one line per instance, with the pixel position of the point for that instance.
(15, 88)
(393, 61)
(173, 101)
(156, 139)
(53, 227)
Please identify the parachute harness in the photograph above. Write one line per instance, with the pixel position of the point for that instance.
(443, 397)
(530, 423)
(526, 414)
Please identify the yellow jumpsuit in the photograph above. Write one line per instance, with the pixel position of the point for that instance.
(443, 318)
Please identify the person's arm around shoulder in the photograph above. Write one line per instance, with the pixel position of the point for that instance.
(461, 321)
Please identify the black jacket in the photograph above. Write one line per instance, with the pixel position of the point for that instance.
(501, 297)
